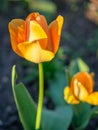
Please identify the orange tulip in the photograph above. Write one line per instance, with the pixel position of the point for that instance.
(81, 89)
(33, 39)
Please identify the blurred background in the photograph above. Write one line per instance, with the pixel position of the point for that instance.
(79, 40)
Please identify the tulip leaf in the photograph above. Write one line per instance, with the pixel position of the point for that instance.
(82, 65)
(95, 111)
(78, 65)
(92, 112)
(81, 115)
(25, 104)
(56, 88)
(59, 119)
(83, 112)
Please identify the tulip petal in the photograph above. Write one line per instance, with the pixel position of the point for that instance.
(69, 97)
(36, 32)
(80, 91)
(92, 98)
(85, 79)
(47, 42)
(33, 39)
(32, 16)
(40, 19)
(55, 32)
(43, 23)
(17, 33)
(34, 53)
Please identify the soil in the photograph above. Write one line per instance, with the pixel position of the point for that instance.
(75, 23)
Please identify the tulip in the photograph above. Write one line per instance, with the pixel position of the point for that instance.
(33, 39)
(81, 89)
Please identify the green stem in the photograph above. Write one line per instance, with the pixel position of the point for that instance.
(40, 99)
(68, 77)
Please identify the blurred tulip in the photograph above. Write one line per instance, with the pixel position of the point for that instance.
(81, 89)
(92, 11)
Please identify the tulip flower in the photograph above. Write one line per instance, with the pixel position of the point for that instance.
(81, 89)
(37, 42)
(33, 39)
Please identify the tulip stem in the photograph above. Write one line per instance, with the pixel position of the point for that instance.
(68, 76)
(41, 93)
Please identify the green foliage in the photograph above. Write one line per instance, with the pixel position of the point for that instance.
(78, 65)
(52, 67)
(45, 7)
(59, 119)
(4, 4)
(31, 72)
(83, 112)
(56, 88)
(81, 115)
(92, 44)
(73, 5)
(74, 43)
(25, 105)
(64, 115)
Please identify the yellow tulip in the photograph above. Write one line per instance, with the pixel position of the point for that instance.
(33, 39)
(81, 90)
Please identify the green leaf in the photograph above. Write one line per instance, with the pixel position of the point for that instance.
(78, 65)
(82, 65)
(87, 116)
(82, 115)
(56, 88)
(95, 111)
(58, 119)
(25, 104)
